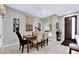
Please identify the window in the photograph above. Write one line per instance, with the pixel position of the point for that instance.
(73, 27)
(47, 27)
(29, 23)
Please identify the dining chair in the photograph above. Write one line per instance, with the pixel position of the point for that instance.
(45, 38)
(21, 41)
(38, 41)
(35, 33)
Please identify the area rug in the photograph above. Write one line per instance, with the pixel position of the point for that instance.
(67, 42)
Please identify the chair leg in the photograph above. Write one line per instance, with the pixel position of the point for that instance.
(30, 45)
(19, 47)
(22, 48)
(47, 41)
(70, 51)
(41, 44)
(44, 43)
(37, 46)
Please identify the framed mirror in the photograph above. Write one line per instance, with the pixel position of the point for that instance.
(15, 24)
(57, 25)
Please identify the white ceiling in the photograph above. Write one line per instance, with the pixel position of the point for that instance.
(44, 10)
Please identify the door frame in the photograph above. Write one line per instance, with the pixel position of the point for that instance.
(75, 23)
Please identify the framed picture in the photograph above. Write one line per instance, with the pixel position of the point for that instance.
(29, 27)
(15, 24)
(29, 23)
(57, 25)
(48, 27)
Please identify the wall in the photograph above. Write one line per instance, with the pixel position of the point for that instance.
(10, 36)
(54, 19)
(61, 19)
(1, 31)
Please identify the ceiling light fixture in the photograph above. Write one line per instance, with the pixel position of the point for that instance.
(44, 12)
(68, 11)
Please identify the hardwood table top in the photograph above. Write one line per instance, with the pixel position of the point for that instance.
(29, 37)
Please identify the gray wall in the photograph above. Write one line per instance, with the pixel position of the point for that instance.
(54, 19)
(10, 36)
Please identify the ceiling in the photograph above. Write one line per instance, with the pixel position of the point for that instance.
(44, 10)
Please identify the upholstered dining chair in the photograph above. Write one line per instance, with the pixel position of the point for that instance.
(35, 33)
(74, 46)
(45, 40)
(21, 41)
(38, 41)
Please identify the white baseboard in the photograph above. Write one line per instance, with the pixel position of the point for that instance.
(52, 38)
(11, 44)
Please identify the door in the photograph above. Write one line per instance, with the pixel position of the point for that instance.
(70, 27)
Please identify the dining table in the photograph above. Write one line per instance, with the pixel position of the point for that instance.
(29, 38)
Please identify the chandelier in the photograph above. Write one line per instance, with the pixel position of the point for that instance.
(2, 11)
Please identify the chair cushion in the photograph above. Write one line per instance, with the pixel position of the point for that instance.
(77, 39)
(35, 33)
(45, 35)
(74, 46)
(35, 41)
(39, 37)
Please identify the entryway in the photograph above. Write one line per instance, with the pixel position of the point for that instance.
(70, 30)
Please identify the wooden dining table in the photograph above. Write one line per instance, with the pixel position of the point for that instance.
(29, 38)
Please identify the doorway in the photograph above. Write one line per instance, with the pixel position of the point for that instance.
(70, 30)
(70, 27)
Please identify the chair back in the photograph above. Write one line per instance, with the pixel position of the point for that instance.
(35, 33)
(19, 36)
(45, 35)
(40, 36)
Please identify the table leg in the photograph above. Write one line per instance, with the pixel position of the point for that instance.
(31, 45)
(27, 46)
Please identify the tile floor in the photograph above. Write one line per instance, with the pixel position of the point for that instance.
(54, 47)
